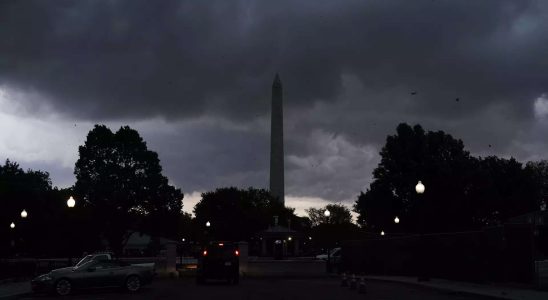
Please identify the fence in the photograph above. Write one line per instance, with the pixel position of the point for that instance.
(504, 253)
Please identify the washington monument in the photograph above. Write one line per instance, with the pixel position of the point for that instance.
(277, 142)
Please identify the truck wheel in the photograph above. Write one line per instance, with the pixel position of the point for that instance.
(133, 283)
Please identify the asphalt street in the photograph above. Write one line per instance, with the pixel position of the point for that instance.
(265, 289)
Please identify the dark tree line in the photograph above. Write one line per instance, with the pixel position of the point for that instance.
(239, 214)
(50, 228)
(120, 189)
(462, 192)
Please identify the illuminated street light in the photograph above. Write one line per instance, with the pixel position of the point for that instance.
(327, 213)
(382, 232)
(310, 238)
(289, 238)
(12, 225)
(24, 214)
(419, 188)
(183, 239)
(208, 224)
(71, 202)
(396, 220)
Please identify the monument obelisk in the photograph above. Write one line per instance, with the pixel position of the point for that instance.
(277, 142)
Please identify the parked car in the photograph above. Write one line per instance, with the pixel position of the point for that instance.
(96, 257)
(334, 254)
(219, 260)
(93, 274)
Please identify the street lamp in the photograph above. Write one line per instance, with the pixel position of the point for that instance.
(327, 213)
(12, 225)
(289, 239)
(208, 224)
(24, 214)
(396, 220)
(382, 232)
(419, 188)
(71, 202)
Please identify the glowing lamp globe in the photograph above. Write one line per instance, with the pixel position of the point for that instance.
(419, 188)
(24, 214)
(71, 202)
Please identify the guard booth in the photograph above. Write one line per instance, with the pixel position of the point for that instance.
(279, 242)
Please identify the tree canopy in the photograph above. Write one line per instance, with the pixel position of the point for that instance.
(45, 230)
(121, 181)
(238, 214)
(339, 214)
(462, 192)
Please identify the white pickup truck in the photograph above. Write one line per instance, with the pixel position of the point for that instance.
(108, 256)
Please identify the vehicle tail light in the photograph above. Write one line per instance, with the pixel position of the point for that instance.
(205, 253)
(237, 253)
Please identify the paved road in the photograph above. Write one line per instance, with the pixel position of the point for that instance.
(266, 289)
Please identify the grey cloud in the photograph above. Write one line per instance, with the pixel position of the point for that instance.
(137, 59)
(348, 69)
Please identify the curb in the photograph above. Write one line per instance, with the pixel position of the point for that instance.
(438, 288)
(15, 296)
(285, 275)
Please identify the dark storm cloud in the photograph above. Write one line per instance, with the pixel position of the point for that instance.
(348, 67)
(134, 59)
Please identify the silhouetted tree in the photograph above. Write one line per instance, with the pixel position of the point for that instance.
(20, 190)
(237, 214)
(330, 231)
(121, 181)
(462, 192)
(538, 171)
(48, 229)
(339, 214)
(436, 159)
(503, 188)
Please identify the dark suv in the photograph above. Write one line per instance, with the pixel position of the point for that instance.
(219, 260)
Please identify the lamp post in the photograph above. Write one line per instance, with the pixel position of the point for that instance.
(24, 233)
(12, 225)
(207, 233)
(396, 220)
(70, 204)
(327, 214)
(419, 188)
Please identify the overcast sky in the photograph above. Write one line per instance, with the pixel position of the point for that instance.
(194, 78)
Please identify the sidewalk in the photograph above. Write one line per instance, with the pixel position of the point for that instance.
(499, 292)
(12, 290)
